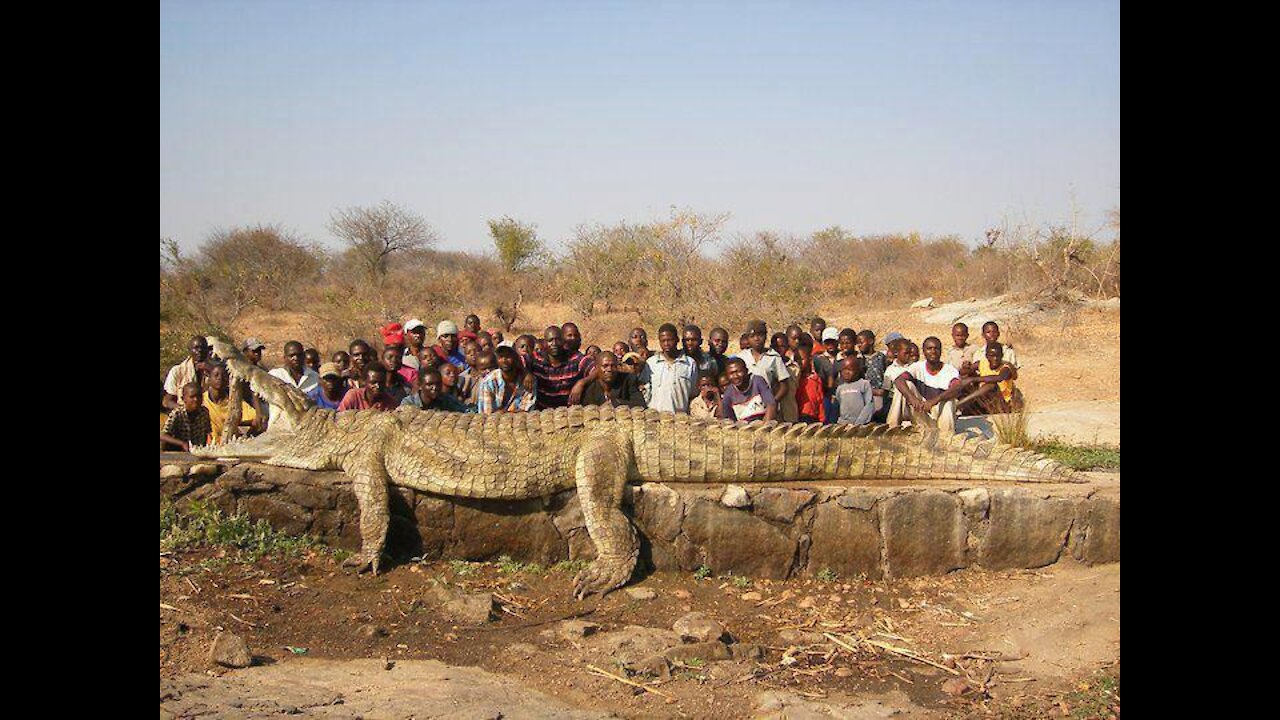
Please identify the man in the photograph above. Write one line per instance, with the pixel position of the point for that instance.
(471, 324)
(370, 395)
(191, 369)
(415, 337)
(612, 386)
(446, 347)
(765, 362)
(747, 397)
(991, 334)
(188, 424)
(361, 358)
(960, 354)
(640, 343)
(296, 373)
(555, 372)
(817, 327)
(670, 375)
(718, 341)
(706, 362)
(929, 386)
(217, 400)
(431, 395)
(253, 348)
(332, 388)
(502, 390)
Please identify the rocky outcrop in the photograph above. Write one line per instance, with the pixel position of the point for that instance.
(769, 532)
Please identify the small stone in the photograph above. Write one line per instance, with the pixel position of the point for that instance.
(922, 303)
(843, 672)
(698, 627)
(712, 650)
(735, 497)
(462, 607)
(955, 687)
(388, 663)
(753, 596)
(171, 471)
(641, 593)
(746, 651)
(800, 637)
(576, 629)
(681, 594)
(230, 650)
(807, 603)
(655, 666)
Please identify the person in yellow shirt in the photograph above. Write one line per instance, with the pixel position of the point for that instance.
(217, 401)
(994, 372)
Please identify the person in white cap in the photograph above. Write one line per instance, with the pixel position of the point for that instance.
(446, 346)
(415, 338)
(825, 364)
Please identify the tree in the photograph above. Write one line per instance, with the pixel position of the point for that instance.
(376, 233)
(518, 245)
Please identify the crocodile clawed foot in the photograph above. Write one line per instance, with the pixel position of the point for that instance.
(603, 576)
(364, 561)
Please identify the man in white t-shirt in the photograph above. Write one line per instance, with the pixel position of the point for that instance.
(296, 373)
(928, 386)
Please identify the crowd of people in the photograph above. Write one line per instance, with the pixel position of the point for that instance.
(823, 375)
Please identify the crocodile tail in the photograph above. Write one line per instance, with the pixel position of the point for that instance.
(282, 396)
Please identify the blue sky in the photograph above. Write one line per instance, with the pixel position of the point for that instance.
(937, 117)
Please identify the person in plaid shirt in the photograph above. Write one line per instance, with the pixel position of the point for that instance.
(187, 424)
(503, 389)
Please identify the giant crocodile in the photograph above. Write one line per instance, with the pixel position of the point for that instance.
(594, 449)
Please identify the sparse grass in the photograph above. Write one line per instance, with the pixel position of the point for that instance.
(570, 566)
(462, 568)
(1095, 698)
(741, 581)
(702, 573)
(827, 575)
(1079, 457)
(507, 566)
(203, 525)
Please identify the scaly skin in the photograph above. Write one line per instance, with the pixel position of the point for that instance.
(595, 450)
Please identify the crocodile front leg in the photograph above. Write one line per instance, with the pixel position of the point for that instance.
(369, 482)
(601, 474)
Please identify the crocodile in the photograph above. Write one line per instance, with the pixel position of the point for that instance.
(597, 450)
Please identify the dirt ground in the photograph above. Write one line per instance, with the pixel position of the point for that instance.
(969, 644)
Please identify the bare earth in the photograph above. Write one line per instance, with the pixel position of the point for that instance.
(1016, 643)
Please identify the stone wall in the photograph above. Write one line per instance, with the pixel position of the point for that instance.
(758, 531)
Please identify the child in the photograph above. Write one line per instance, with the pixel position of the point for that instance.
(993, 370)
(898, 354)
(312, 358)
(809, 383)
(217, 401)
(748, 396)
(707, 404)
(188, 424)
(874, 363)
(857, 403)
(960, 354)
(450, 380)
(991, 334)
(503, 389)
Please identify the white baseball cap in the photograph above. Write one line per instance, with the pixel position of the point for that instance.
(830, 334)
(447, 327)
(413, 325)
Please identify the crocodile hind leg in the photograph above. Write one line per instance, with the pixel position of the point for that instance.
(369, 482)
(601, 474)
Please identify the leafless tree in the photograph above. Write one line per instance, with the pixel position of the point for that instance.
(376, 233)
